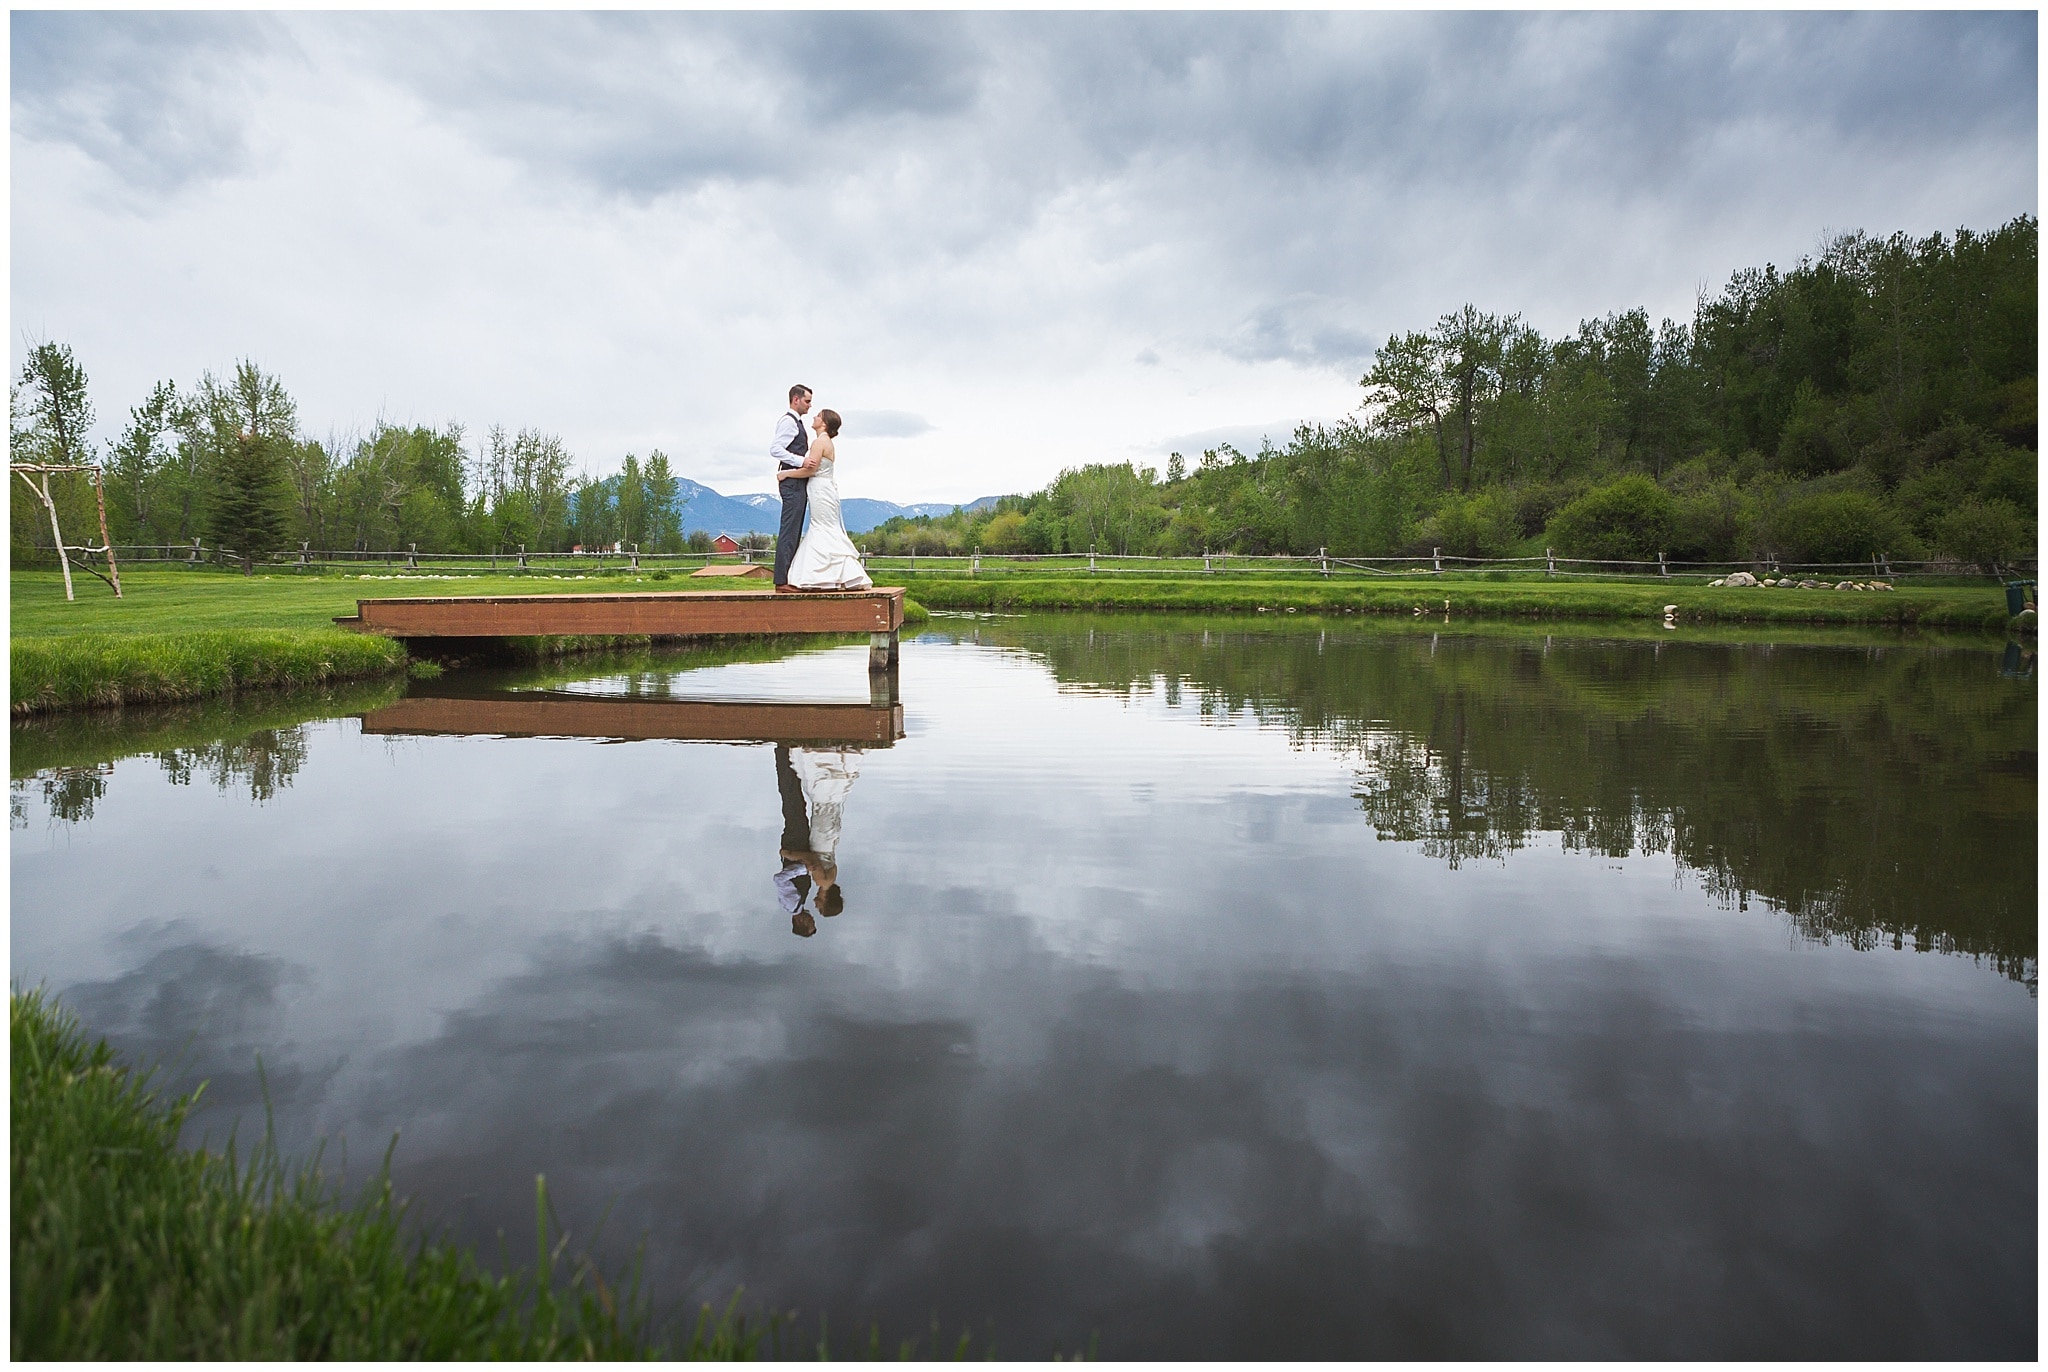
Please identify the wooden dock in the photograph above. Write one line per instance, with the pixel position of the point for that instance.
(661, 614)
(546, 714)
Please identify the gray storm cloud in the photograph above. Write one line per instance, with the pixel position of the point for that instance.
(1001, 208)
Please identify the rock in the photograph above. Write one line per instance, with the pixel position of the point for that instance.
(1845, 585)
(1717, 582)
(1670, 609)
(1738, 579)
(1809, 586)
(1880, 585)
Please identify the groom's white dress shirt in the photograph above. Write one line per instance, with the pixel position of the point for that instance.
(786, 430)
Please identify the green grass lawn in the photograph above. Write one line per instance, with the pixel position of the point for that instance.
(186, 634)
(1473, 596)
(162, 601)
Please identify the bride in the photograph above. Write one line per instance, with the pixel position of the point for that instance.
(826, 560)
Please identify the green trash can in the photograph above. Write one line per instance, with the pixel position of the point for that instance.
(2016, 597)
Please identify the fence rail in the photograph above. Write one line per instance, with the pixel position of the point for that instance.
(410, 562)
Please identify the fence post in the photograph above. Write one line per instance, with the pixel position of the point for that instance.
(522, 557)
(1436, 555)
(1205, 559)
(304, 545)
(195, 550)
(412, 556)
(1887, 558)
(1324, 553)
(1663, 570)
(974, 567)
(1550, 557)
(636, 557)
(1091, 558)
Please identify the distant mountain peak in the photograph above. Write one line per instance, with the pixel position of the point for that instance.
(758, 512)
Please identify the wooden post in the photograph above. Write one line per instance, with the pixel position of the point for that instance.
(883, 650)
(195, 551)
(1662, 569)
(1091, 559)
(522, 557)
(974, 567)
(1550, 557)
(412, 556)
(884, 688)
(43, 493)
(99, 492)
(1437, 556)
(1205, 559)
(1325, 555)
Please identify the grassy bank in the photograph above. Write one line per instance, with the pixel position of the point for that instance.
(127, 1246)
(63, 672)
(1970, 607)
(188, 635)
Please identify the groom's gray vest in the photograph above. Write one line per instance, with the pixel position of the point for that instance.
(791, 528)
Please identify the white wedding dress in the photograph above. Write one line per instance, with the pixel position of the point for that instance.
(827, 775)
(826, 560)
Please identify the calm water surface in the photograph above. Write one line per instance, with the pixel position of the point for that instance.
(1251, 989)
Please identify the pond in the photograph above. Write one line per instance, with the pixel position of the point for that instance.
(1249, 987)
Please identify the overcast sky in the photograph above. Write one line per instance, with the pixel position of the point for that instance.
(998, 244)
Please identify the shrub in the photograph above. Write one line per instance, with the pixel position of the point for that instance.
(2011, 475)
(1482, 525)
(1629, 519)
(1536, 504)
(1712, 521)
(1004, 534)
(1985, 532)
(1838, 526)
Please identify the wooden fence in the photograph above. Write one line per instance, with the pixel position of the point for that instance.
(411, 563)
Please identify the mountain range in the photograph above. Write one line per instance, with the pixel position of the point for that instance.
(706, 509)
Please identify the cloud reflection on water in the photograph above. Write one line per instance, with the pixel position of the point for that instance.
(1227, 1076)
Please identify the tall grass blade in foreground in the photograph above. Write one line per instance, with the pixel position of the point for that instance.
(126, 1245)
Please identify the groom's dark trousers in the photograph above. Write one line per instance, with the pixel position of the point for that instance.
(794, 498)
(796, 820)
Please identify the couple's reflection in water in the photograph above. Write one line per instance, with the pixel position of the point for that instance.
(817, 754)
(813, 783)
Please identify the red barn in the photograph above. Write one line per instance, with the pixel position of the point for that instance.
(725, 543)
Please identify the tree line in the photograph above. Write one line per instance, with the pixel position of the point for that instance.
(1877, 398)
(224, 460)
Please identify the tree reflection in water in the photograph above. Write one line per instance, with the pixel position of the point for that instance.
(1875, 793)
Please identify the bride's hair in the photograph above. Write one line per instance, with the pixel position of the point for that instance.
(831, 418)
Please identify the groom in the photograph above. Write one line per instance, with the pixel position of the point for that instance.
(790, 450)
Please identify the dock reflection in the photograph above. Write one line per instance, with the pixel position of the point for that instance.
(562, 714)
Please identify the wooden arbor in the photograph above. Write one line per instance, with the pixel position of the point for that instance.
(112, 576)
